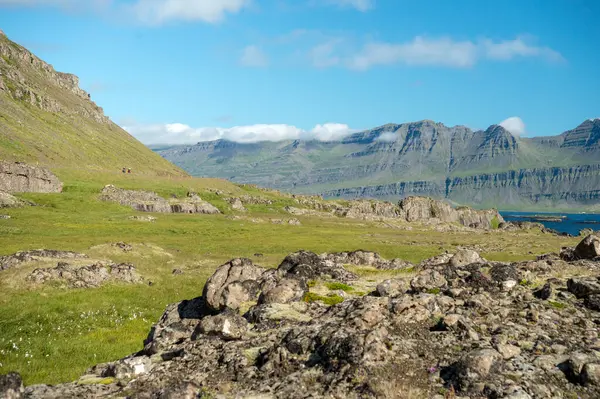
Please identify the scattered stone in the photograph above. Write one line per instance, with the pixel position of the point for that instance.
(143, 218)
(5, 216)
(446, 329)
(543, 293)
(177, 271)
(87, 276)
(237, 205)
(15, 259)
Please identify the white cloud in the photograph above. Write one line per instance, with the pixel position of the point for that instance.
(253, 56)
(509, 49)
(161, 11)
(360, 5)
(178, 133)
(387, 137)
(443, 51)
(420, 51)
(68, 4)
(514, 125)
(322, 55)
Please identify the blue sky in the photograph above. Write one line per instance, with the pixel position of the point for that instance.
(189, 70)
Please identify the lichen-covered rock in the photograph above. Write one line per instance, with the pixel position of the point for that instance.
(243, 274)
(583, 287)
(228, 325)
(456, 332)
(286, 291)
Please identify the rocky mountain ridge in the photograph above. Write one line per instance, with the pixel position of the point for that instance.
(422, 158)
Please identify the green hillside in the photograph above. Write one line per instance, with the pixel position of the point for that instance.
(46, 118)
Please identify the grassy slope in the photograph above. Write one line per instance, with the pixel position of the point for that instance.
(60, 332)
(28, 133)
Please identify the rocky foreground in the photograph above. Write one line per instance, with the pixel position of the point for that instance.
(453, 326)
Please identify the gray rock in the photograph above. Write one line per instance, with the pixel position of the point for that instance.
(429, 280)
(583, 287)
(391, 288)
(18, 177)
(86, 276)
(228, 325)
(465, 257)
(17, 258)
(286, 291)
(240, 271)
(588, 248)
(590, 374)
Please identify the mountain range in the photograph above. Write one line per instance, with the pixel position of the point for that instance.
(489, 167)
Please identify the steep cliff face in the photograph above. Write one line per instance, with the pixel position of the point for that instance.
(47, 119)
(572, 186)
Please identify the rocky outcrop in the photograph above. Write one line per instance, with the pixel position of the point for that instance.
(457, 326)
(541, 186)
(411, 209)
(18, 177)
(9, 261)
(146, 201)
(15, 60)
(424, 209)
(89, 276)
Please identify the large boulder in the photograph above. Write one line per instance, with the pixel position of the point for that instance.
(422, 209)
(232, 284)
(286, 291)
(588, 248)
(309, 266)
(17, 177)
(228, 325)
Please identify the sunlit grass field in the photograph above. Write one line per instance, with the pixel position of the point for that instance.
(51, 334)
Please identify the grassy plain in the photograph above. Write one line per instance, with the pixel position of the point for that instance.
(51, 334)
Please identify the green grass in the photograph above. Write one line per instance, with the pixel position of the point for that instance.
(327, 300)
(557, 305)
(495, 222)
(59, 333)
(334, 286)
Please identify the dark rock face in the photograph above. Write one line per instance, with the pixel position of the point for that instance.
(22, 178)
(462, 330)
(589, 248)
(9, 261)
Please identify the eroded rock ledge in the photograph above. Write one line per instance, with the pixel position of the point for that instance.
(146, 201)
(453, 326)
(17, 177)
